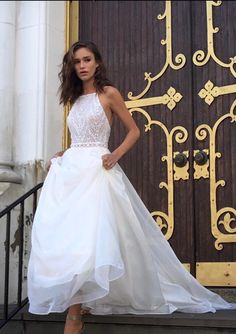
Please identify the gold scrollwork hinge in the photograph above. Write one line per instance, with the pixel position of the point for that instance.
(170, 99)
(180, 59)
(199, 57)
(225, 216)
(222, 220)
(166, 220)
(209, 92)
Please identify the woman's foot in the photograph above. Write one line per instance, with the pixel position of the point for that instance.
(74, 323)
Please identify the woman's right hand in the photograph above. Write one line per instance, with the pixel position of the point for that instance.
(56, 155)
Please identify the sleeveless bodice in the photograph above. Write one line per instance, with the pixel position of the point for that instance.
(88, 123)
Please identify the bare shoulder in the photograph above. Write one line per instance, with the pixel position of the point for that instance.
(111, 92)
(113, 95)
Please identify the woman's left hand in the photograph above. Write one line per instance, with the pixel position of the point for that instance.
(109, 160)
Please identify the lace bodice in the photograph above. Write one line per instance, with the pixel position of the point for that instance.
(88, 123)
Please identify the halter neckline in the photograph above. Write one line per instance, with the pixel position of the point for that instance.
(89, 94)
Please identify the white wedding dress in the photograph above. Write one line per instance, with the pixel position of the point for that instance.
(94, 241)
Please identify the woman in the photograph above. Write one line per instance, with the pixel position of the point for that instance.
(94, 244)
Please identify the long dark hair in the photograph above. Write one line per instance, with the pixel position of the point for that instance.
(71, 86)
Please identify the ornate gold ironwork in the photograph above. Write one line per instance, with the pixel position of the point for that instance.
(201, 170)
(166, 220)
(171, 98)
(226, 214)
(181, 172)
(216, 273)
(199, 57)
(209, 92)
(180, 59)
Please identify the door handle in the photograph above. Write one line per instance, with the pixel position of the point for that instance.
(180, 160)
(201, 158)
(201, 164)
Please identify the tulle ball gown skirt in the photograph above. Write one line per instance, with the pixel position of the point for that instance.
(95, 243)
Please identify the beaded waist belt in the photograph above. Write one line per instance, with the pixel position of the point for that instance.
(89, 144)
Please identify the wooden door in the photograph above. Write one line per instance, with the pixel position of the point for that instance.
(213, 77)
(177, 97)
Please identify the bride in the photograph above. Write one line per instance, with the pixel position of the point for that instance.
(95, 246)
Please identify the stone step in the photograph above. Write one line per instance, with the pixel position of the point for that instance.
(222, 322)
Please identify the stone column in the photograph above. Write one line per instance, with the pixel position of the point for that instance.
(38, 120)
(7, 79)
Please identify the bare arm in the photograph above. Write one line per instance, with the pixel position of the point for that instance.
(117, 105)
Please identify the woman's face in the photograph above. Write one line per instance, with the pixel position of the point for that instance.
(85, 64)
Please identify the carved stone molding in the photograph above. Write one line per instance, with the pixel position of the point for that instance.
(7, 174)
